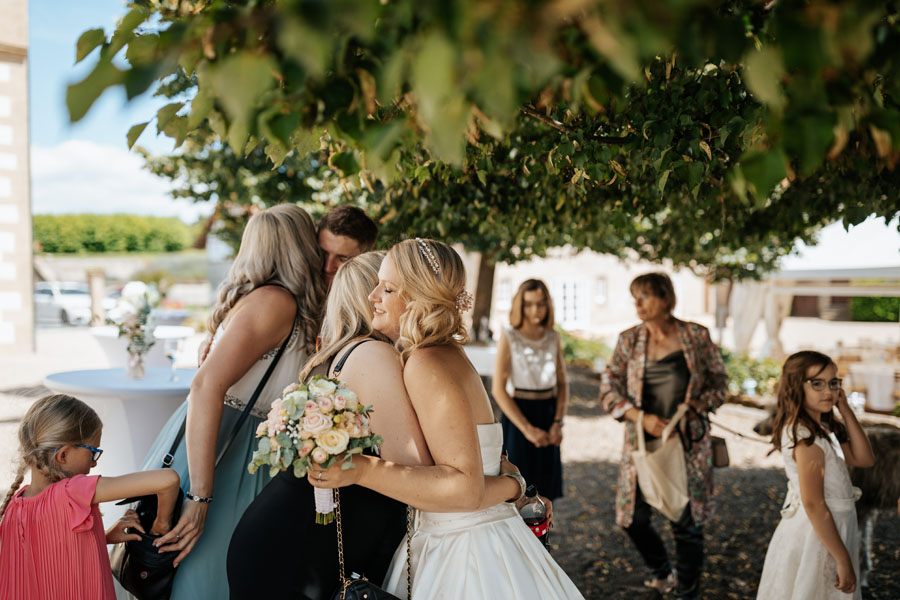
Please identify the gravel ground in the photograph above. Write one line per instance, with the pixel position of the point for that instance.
(600, 558)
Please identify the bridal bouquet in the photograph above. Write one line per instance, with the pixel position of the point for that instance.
(315, 422)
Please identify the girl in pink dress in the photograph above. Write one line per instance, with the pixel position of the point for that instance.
(52, 543)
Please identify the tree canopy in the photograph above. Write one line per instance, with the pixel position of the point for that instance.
(711, 133)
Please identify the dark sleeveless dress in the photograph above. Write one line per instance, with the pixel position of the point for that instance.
(278, 551)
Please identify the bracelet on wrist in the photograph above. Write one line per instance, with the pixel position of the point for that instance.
(559, 421)
(520, 480)
(195, 498)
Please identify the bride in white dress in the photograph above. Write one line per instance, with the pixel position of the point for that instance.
(469, 541)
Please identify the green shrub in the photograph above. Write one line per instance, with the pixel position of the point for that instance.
(741, 366)
(581, 352)
(110, 233)
(874, 308)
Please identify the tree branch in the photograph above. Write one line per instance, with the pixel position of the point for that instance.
(536, 114)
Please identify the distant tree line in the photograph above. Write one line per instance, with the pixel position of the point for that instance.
(111, 233)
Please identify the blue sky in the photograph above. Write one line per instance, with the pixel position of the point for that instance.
(86, 166)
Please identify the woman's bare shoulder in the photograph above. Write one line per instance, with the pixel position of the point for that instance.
(269, 298)
(264, 308)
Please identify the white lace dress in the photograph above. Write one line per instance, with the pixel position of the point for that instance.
(489, 554)
(798, 567)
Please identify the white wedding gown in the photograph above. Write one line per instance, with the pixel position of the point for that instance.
(488, 553)
(798, 567)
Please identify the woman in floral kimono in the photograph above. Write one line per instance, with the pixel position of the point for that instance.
(656, 366)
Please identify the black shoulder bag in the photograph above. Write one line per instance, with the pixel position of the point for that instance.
(140, 568)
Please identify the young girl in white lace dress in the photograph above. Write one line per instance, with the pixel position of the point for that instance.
(814, 552)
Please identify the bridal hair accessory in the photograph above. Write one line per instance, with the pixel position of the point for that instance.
(463, 301)
(428, 253)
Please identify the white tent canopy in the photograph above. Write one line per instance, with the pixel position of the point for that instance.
(870, 250)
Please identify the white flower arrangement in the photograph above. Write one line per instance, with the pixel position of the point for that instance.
(133, 316)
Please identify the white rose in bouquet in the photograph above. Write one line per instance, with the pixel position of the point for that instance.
(333, 441)
(321, 387)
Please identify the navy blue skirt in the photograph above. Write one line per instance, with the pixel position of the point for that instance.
(540, 466)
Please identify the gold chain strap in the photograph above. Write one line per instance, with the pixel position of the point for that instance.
(340, 544)
(345, 581)
(409, 520)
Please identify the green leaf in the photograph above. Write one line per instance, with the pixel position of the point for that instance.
(166, 114)
(442, 106)
(763, 170)
(135, 132)
(346, 163)
(808, 137)
(86, 43)
(661, 184)
(305, 141)
(763, 72)
(310, 47)
(255, 74)
(200, 107)
(82, 95)
(277, 153)
(392, 74)
(125, 30)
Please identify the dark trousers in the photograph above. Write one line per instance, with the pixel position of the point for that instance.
(688, 547)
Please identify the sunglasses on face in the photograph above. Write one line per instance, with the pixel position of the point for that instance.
(819, 384)
(95, 452)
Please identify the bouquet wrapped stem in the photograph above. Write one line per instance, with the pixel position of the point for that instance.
(324, 506)
(319, 422)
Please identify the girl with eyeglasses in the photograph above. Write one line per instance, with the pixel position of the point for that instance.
(809, 555)
(51, 532)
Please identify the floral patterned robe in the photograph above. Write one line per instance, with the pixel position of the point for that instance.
(622, 388)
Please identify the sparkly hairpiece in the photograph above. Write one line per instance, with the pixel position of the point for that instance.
(428, 253)
(463, 301)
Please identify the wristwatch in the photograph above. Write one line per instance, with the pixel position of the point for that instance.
(521, 481)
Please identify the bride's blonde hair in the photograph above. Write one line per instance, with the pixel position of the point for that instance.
(348, 312)
(279, 247)
(432, 281)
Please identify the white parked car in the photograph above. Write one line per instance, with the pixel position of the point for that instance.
(63, 302)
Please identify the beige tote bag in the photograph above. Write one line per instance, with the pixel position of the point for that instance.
(661, 472)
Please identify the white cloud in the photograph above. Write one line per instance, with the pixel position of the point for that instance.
(78, 176)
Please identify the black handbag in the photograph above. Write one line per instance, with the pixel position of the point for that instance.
(145, 572)
(357, 587)
(138, 564)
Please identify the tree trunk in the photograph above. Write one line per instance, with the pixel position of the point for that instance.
(484, 293)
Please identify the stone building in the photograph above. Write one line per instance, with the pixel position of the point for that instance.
(16, 288)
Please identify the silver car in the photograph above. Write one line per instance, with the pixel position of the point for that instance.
(63, 302)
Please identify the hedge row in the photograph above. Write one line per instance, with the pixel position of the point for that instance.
(110, 233)
(875, 308)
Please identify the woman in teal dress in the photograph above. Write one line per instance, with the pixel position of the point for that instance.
(273, 292)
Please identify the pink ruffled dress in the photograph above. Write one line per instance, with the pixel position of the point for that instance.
(53, 547)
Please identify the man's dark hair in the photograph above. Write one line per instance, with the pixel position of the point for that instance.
(353, 223)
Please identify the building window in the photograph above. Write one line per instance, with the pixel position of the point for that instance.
(570, 296)
(600, 291)
(504, 294)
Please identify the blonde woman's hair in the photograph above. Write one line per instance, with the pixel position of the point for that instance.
(49, 424)
(432, 279)
(348, 312)
(279, 247)
(517, 311)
